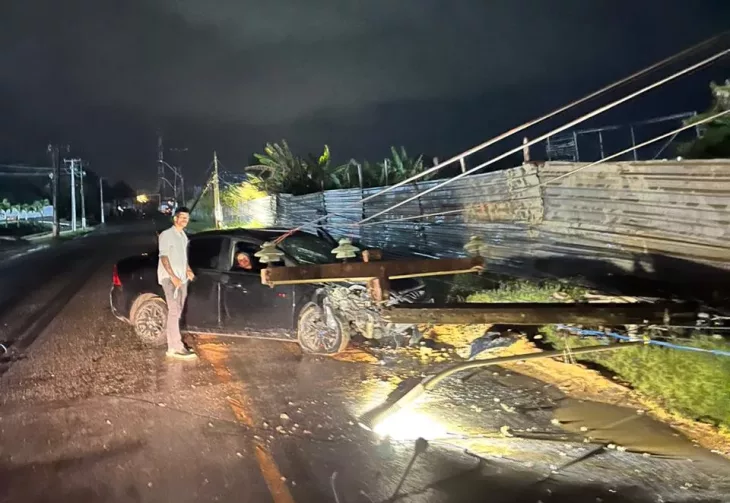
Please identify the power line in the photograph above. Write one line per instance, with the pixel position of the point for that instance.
(526, 125)
(570, 124)
(564, 175)
(552, 114)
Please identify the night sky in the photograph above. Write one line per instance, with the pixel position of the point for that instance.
(437, 76)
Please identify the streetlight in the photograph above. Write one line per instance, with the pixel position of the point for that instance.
(178, 174)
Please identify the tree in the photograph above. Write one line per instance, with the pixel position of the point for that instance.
(234, 194)
(714, 141)
(281, 171)
(17, 208)
(400, 167)
(5, 206)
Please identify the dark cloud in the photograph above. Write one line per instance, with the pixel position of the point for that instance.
(358, 75)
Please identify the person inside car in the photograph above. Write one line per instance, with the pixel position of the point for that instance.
(243, 261)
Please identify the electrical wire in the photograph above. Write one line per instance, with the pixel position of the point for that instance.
(555, 112)
(528, 124)
(570, 124)
(564, 175)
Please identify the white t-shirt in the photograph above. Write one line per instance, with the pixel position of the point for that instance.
(173, 244)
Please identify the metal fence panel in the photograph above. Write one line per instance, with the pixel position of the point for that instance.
(652, 218)
(627, 209)
(344, 210)
(297, 210)
(404, 235)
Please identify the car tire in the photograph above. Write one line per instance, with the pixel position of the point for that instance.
(149, 316)
(315, 337)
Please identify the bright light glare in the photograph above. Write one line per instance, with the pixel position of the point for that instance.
(409, 425)
(142, 198)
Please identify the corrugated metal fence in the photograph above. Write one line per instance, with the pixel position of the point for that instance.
(643, 218)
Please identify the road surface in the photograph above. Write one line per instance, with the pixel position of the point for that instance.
(90, 414)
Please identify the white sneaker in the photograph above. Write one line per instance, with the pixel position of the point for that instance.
(182, 355)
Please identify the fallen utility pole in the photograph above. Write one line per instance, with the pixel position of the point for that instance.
(371, 419)
(541, 313)
(365, 271)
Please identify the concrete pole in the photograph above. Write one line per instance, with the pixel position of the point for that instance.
(56, 184)
(83, 199)
(182, 190)
(101, 199)
(217, 210)
(73, 194)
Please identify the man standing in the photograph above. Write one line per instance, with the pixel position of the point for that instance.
(174, 273)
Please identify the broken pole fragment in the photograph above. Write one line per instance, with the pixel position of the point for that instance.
(364, 271)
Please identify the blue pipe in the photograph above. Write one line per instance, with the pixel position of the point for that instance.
(596, 333)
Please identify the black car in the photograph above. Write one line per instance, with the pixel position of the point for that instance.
(227, 300)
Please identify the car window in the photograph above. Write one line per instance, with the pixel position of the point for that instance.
(204, 253)
(308, 249)
(239, 263)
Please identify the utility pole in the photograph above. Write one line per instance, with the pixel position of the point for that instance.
(160, 165)
(55, 188)
(217, 210)
(182, 187)
(72, 162)
(81, 188)
(101, 198)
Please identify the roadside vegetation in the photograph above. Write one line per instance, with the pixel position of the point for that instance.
(280, 171)
(22, 226)
(714, 142)
(694, 385)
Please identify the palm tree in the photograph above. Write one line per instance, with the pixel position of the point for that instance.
(26, 208)
(400, 167)
(38, 205)
(17, 208)
(281, 171)
(5, 206)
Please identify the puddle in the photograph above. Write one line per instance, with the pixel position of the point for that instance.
(627, 428)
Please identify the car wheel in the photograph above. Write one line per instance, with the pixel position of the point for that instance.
(317, 336)
(149, 316)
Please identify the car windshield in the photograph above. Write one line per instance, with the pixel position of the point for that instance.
(308, 249)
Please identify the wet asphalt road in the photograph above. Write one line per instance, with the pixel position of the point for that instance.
(90, 414)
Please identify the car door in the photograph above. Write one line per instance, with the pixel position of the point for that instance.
(248, 305)
(205, 256)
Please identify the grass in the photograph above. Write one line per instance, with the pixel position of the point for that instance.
(208, 225)
(694, 385)
(527, 291)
